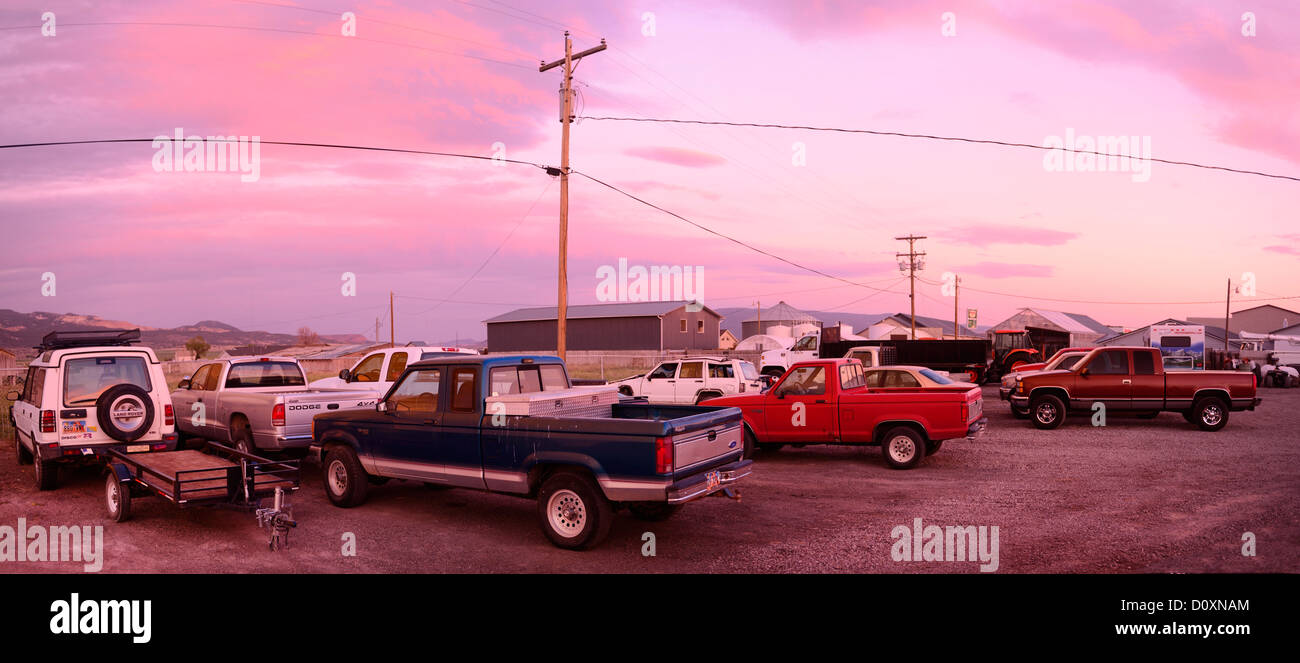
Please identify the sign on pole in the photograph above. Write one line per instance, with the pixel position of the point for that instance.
(971, 316)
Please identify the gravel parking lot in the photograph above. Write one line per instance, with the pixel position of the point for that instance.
(1135, 496)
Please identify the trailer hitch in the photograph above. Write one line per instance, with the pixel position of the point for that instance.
(277, 520)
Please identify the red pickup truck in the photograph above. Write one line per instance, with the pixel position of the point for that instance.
(1133, 379)
(827, 401)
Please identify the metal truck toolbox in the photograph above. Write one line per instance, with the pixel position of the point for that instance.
(577, 402)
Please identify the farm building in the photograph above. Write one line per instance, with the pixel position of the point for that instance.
(1256, 319)
(780, 320)
(7, 359)
(727, 340)
(899, 326)
(655, 326)
(1053, 330)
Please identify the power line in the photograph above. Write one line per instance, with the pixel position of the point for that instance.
(899, 134)
(724, 235)
(336, 146)
(163, 24)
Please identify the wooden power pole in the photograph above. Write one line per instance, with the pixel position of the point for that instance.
(566, 117)
(956, 283)
(392, 328)
(911, 256)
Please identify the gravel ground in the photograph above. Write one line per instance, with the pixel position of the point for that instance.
(1135, 496)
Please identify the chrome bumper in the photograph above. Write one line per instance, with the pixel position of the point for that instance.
(977, 427)
(698, 486)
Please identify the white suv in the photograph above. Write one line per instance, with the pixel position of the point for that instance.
(693, 379)
(88, 392)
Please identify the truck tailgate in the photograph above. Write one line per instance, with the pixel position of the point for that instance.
(300, 407)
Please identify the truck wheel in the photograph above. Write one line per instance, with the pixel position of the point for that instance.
(346, 483)
(625, 390)
(903, 448)
(24, 456)
(242, 437)
(751, 444)
(1210, 413)
(1188, 416)
(706, 396)
(1047, 411)
(117, 498)
(573, 512)
(933, 448)
(653, 511)
(47, 474)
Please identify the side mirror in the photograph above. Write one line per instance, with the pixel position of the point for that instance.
(381, 406)
(345, 375)
(183, 384)
(780, 395)
(1083, 371)
(13, 396)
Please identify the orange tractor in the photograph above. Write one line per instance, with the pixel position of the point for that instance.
(1012, 348)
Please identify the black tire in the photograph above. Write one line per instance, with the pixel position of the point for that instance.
(1188, 416)
(653, 512)
(933, 447)
(117, 498)
(241, 437)
(1210, 413)
(120, 396)
(346, 483)
(625, 390)
(582, 516)
(1047, 411)
(903, 447)
(47, 474)
(24, 456)
(773, 371)
(751, 443)
(706, 396)
(1148, 415)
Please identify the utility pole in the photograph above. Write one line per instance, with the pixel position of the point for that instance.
(376, 330)
(912, 267)
(1227, 304)
(758, 306)
(392, 329)
(956, 283)
(566, 117)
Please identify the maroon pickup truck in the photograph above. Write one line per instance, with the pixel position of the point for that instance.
(1133, 379)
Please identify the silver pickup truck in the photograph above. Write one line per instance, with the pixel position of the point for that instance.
(257, 403)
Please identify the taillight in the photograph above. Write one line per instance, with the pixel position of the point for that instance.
(663, 455)
(277, 415)
(47, 421)
(965, 411)
(169, 419)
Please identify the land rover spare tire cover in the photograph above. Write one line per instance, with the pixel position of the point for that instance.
(125, 412)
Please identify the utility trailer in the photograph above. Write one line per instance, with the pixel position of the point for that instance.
(189, 478)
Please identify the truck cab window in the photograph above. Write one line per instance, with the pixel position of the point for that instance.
(395, 366)
(1110, 362)
(1143, 364)
(417, 394)
(805, 381)
(368, 369)
(554, 378)
(807, 343)
(692, 370)
(664, 371)
(463, 389)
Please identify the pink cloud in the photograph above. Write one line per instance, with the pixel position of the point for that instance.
(676, 156)
(985, 234)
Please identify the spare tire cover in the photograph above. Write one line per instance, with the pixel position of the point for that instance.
(125, 412)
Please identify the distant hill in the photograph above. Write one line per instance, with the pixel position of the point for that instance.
(21, 331)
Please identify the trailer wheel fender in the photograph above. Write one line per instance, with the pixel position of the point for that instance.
(121, 471)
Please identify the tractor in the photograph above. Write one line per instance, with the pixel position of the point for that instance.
(1011, 348)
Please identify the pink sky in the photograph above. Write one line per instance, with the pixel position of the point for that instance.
(165, 249)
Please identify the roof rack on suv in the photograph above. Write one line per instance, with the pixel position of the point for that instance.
(58, 340)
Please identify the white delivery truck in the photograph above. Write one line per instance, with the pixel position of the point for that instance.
(1181, 346)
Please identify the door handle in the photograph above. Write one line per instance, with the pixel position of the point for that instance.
(1126, 382)
(819, 400)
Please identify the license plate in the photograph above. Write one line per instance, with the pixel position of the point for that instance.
(137, 448)
(713, 480)
(74, 427)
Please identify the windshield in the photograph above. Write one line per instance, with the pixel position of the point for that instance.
(264, 374)
(934, 377)
(85, 379)
(747, 369)
(806, 343)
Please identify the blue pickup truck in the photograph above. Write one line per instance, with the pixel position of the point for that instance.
(515, 424)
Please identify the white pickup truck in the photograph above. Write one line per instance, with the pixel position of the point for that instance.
(693, 379)
(377, 371)
(257, 403)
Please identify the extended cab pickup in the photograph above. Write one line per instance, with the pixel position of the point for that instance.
(829, 402)
(1133, 379)
(257, 403)
(514, 424)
